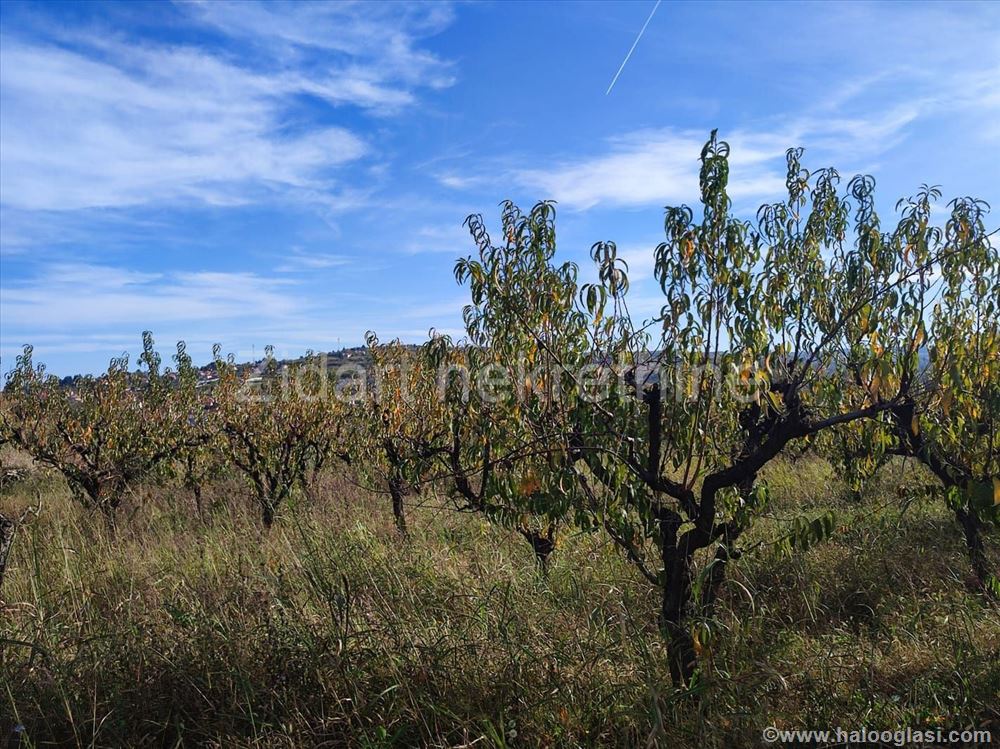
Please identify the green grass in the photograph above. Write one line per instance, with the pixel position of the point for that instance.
(331, 631)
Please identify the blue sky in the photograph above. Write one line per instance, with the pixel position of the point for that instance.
(297, 174)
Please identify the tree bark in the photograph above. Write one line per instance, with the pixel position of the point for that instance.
(676, 601)
(398, 512)
(543, 544)
(950, 475)
(267, 511)
(196, 490)
(717, 574)
(726, 551)
(971, 526)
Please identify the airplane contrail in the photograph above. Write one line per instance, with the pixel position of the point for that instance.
(620, 69)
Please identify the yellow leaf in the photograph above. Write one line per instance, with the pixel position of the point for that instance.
(996, 490)
(876, 385)
(915, 425)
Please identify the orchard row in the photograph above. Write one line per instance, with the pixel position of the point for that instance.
(811, 326)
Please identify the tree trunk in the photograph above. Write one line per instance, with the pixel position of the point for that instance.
(267, 511)
(676, 602)
(108, 512)
(543, 544)
(717, 575)
(7, 528)
(675, 613)
(396, 492)
(726, 550)
(951, 475)
(971, 527)
(196, 489)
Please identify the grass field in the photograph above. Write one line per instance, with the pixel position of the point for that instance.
(332, 631)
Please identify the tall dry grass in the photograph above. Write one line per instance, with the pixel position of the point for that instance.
(332, 631)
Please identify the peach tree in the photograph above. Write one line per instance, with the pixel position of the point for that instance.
(274, 425)
(941, 359)
(656, 431)
(105, 435)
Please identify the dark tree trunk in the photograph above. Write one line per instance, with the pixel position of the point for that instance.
(717, 573)
(543, 544)
(951, 475)
(196, 489)
(675, 613)
(676, 601)
(396, 492)
(267, 511)
(971, 527)
(396, 484)
(725, 552)
(7, 528)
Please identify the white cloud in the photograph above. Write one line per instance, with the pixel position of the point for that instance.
(640, 258)
(660, 167)
(452, 238)
(97, 122)
(299, 261)
(79, 133)
(445, 309)
(67, 308)
(852, 126)
(638, 168)
(382, 36)
(459, 182)
(67, 297)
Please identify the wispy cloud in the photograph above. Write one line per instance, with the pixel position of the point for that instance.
(381, 40)
(51, 299)
(853, 127)
(452, 238)
(299, 261)
(80, 133)
(101, 122)
(251, 173)
(654, 167)
(201, 307)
